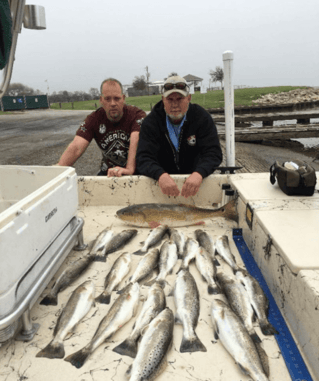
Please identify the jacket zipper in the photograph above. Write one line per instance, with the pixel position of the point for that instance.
(174, 151)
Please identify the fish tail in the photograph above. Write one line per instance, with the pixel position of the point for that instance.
(214, 290)
(139, 252)
(52, 351)
(235, 269)
(182, 267)
(267, 328)
(78, 358)
(50, 300)
(99, 258)
(104, 298)
(127, 348)
(255, 338)
(192, 345)
(263, 358)
(123, 289)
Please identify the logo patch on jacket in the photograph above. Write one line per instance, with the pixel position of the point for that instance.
(191, 140)
(102, 129)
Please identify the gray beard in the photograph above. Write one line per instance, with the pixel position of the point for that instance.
(174, 118)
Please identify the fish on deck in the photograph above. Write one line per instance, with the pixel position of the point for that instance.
(153, 215)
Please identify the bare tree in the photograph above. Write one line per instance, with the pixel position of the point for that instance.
(95, 94)
(16, 89)
(139, 83)
(217, 75)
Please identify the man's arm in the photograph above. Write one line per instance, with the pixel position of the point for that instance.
(76, 148)
(131, 163)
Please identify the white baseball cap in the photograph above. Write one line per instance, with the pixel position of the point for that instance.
(175, 84)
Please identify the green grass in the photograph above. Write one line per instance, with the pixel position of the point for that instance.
(213, 99)
(81, 105)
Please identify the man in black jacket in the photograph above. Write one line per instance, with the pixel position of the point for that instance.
(178, 137)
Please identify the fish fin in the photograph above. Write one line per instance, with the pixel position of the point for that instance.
(267, 328)
(52, 351)
(203, 278)
(139, 252)
(99, 258)
(103, 298)
(243, 369)
(162, 283)
(78, 358)
(50, 300)
(127, 348)
(128, 372)
(255, 338)
(216, 262)
(215, 328)
(263, 358)
(150, 283)
(214, 290)
(153, 224)
(144, 330)
(178, 319)
(194, 345)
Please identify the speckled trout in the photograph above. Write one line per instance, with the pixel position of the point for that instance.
(151, 358)
(76, 308)
(258, 300)
(154, 304)
(121, 311)
(153, 215)
(229, 328)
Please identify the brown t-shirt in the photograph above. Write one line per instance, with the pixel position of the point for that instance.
(112, 138)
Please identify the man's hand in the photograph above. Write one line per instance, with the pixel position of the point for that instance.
(118, 172)
(168, 185)
(191, 185)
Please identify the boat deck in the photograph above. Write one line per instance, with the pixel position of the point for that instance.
(294, 286)
(17, 359)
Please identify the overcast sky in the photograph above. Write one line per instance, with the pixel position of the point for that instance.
(275, 42)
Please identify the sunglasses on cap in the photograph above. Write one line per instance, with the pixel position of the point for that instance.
(178, 86)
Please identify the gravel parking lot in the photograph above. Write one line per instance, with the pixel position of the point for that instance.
(40, 137)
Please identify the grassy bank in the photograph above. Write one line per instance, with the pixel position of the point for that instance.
(213, 99)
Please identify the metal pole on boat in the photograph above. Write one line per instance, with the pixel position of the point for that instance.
(228, 58)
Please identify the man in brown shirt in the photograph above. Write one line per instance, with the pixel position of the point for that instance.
(115, 127)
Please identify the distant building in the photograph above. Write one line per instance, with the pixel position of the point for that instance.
(192, 79)
(156, 87)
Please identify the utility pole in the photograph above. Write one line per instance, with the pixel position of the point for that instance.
(147, 80)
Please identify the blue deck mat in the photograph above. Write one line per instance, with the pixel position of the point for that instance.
(289, 350)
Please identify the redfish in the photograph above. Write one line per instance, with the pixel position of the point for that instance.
(153, 215)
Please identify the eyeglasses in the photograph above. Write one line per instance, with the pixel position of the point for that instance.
(178, 86)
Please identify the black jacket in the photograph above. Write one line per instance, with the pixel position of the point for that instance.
(199, 148)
